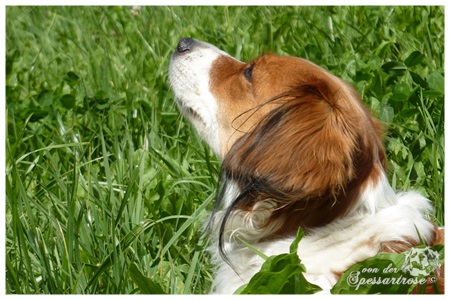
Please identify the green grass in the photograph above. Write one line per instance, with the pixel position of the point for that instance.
(107, 186)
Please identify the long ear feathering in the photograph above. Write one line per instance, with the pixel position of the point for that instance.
(310, 155)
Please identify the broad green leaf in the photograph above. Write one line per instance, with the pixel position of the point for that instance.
(68, 101)
(401, 92)
(418, 79)
(394, 68)
(414, 58)
(240, 289)
(281, 274)
(38, 114)
(407, 113)
(386, 113)
(72, 76)
(72, 79)
(45, 98)
(432, 94)
(436, 82)
(101, 97)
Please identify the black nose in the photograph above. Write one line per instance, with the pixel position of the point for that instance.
(185, 44)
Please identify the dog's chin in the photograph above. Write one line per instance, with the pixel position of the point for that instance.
(208, 131)
(194, 117)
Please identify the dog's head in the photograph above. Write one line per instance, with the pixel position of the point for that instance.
(288, 132)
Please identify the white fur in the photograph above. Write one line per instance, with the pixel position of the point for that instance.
(189, 76)
(380, 215)
(334, 247)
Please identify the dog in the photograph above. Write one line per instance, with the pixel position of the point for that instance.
(298, 149)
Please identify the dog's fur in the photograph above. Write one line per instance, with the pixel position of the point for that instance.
(299, 149)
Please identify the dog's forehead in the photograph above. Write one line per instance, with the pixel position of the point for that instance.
(283, 63)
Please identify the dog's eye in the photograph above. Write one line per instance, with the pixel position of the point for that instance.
(248, 73)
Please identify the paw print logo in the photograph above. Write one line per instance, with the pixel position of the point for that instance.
(420, 261)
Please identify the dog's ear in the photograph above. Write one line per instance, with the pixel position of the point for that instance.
(310, 154)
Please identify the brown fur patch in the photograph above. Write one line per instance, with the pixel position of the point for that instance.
(297, 135)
